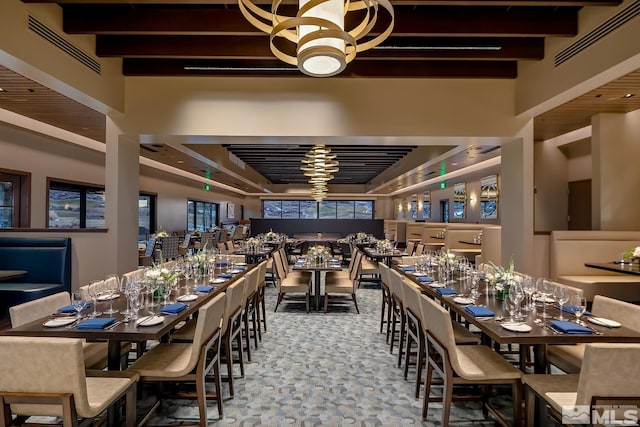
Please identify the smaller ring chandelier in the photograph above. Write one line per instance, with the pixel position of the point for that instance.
(318, 165)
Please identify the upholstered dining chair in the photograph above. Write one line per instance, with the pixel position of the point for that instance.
(261, 312)
(340, 285)
(397, 310)
(569, 357)
(44, 376)
(250, 292)
(169, 246)
(411, 247)
(609, 376)
(222, 248)
(463, 365)
(189, 362)
(342, 274)
(385, 309)
(419, 249)
(95, 353)
(290, 283)
(369, 269)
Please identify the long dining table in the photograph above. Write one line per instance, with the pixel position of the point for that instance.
(539, 337)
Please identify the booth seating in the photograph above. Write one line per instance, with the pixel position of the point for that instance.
(47, 262)
(570, 250)
(461, 232)
(491, 248)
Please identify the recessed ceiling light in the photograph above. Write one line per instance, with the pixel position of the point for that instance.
(2, 90)
(454, 164)
(181, 161)
(629, 95)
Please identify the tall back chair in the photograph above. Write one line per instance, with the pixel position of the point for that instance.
(232, 328)
(46, 377)
(169, 246)
(344, 285)
(249, 313)
(385, 310)
(37, 309)
(290, 283)
(189, 362)
(411, 246)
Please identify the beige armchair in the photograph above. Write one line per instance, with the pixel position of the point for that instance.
(249, 313)
(463, 365)
(344, 286)
(189, 362)
(46, 377)
(261, 310)
(232, 328)
(610, 375)
(385, 309)
(290, 284)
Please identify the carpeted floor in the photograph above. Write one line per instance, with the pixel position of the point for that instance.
(320, 369)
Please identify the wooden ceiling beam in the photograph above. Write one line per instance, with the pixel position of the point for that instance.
(358, 68)
(422, 21)
(257, 47)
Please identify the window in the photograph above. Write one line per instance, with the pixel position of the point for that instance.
(14, 197)
(146, 215)
(202, 215)
(309, 209)
(74, 205)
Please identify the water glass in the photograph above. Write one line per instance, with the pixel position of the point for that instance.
(544, 288)
(111, 288)
(78, 303)
(579, 305)
(94, 289)
(561, 295)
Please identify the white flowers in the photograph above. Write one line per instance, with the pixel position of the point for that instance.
(636, 252)
(152, 274)
(319, 251)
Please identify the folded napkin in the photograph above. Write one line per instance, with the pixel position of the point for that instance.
(225, 275)
(570, 327)
(71, 309)
(241, 267)
(96, 323)
(571, 308)
(221, 264)
(425, 279)
(479, 311)
(173, 308)
(446, 291)
(203, 288)
(408, 269)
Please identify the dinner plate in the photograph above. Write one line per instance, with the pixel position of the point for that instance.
(185, 298)
(463, 300)
(59, 321)
(218, 280)
(516, 327)
(234, 271)
(418, 274)
(604, 322)
(241, 263)
(436, 285)
(548, 300)
(149, 320)
(108, 297)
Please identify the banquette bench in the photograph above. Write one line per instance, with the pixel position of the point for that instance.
(47, 262)
(570, 250)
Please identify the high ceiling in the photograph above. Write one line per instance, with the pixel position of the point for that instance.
(439, 38)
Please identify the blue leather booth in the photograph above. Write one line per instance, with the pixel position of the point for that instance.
(47, 262)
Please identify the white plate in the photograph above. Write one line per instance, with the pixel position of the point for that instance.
(436, 285)
(150, 320)
(604, 322)
(59, 321)
(548, 300)
(108, 297)
(218, 280)
(463, 300)
(241, 263)
(415, 273)
(234, 271)
(185, 298)
(516, 327)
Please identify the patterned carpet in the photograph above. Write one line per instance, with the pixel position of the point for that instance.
(320, 369)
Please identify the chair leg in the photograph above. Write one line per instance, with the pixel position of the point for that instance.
(264, 311)
(447, 400)
(254, 325)
(403, 326)
(407, 355)
(240, 351)
(201, 394)
(245, 322)
(307, 301)
(394, 322)
(355, 303)
(229, 357)
(420, 355)
(326, 302)
(427, 391)
(384, 303)
(278, 302)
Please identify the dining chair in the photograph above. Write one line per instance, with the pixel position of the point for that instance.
(95, 352)
(46, 376)
(169, 246)
(342, 274)
(463, 365)
(344, 286)
(232, 329)
(397, 310)
(419, 249)
(189, 362)
(250, 294)
(385, 309)
(261, 310)
(411, 246)
(222, 248)
(609, 377)
(569, 358)
(290, 283)
(369, 269)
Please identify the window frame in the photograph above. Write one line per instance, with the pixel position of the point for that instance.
(20, 217)
(213, 207)
(318, 208)
(83, 188)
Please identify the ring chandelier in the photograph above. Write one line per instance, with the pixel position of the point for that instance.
(315, 39)
(318, 165)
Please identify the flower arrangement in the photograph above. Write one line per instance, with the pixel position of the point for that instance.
(319, 253)
(271, 235)
(631, 254)
(161, 233)
(384, 245)
(361, 235)
(502, 278)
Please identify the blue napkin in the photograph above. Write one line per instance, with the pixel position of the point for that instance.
(425, 279)
(408, 269)
(570, 327)
(96, 323)
(203, 288)
(446, 291)
(570, 308)
(225, 275)
(221, 264)
(479, 311)
(240, 267)
(173, 308)
(70, 309)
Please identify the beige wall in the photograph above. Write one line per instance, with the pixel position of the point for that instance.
(550, 198)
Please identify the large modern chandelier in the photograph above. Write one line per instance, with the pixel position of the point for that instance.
(315, 39)
(318, 164)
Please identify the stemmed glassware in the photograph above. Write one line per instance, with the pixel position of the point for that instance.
(544, 289)
(111, 287)
(78, 303)
(579, 305)
(516, 295)
(529, 289)
(475, 282)
(561, 295)
(136, 298)
(93, 290)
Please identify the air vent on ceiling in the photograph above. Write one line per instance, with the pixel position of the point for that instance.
(616, 21)
(490, 149)
(61, 43)
(146, 147)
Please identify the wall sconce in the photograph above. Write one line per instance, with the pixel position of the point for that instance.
(473, 199)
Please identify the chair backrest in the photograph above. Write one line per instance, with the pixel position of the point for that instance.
(384, 274)
(132, 276)
(222, 247)
(234, 301)
(419, 249)
(411, 246)
(237, 258)
(410, 260)
(609, 370)
(37, 309)
(357, 268)
(395, 279)
(278, 265)
(571, 290)
(169, 246)
(44, 365)
(251, 283)
(262, 272)
(621, 311)
(210, 317)
(410, 298)
(84, 290)
(208, 239)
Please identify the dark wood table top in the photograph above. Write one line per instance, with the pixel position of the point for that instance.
(11, 274)
(317, 267)
(617, 267)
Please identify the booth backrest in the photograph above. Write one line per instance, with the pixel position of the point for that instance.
(46, 260)
(571, 249)
(491, 245)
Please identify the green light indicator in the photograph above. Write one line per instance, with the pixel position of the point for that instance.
(443, 184)
(207, 174)
(207, 187)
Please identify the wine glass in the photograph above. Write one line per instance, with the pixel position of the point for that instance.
(516, 295)
(475, 282)
(529, 289)
(94, 289)
(579, 305)
(544, 289)
(78, 303)
(561, 295)
(111, 288)
(136, 300)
